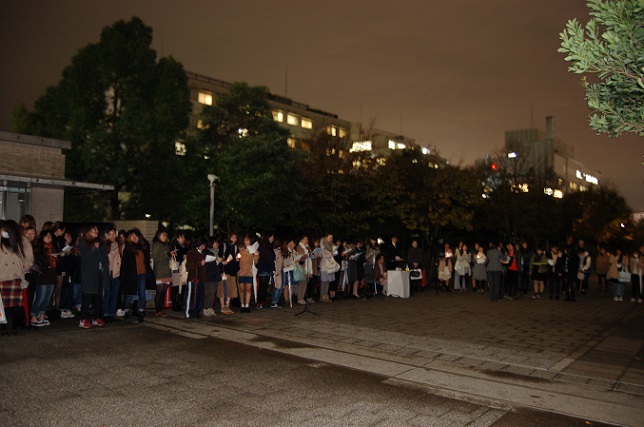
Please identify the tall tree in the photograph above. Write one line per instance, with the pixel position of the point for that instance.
(123, 111)
(609, 47)
(248, 150)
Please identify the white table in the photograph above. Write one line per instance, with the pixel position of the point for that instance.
(398, 283)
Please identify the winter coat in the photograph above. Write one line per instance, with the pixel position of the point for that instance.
(94, 267)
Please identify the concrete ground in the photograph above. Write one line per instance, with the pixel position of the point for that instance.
(443, 359)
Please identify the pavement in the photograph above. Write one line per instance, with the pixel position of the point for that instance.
(433, 359)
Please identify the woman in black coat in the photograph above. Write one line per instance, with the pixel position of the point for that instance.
(94, 276)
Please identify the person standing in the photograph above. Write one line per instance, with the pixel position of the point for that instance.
(618, 263)
(636, 269)
(265, 268)
(228, 253)
(495, 259)
(133, 275)
(394, 254)
(178, 253)
(213, 277)
(538, 267)
(571, 268)
(306, 266)
(602, 263)
(584, 269)
(462, 268)
(111, 292)
(327, 273)
(415, 260)
(554, 272)
(94, 267)
(45, 262)
(479, 275)
(12, 274)
(248, 256)
(160, 254)
(196, 267)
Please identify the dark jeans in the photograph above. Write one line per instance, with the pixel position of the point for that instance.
(636, 292)
(524, 282)
(96, 301)
(111, 297)
(262, 288)
(494, 279)
(569, 287)
(554, 285)
(511, 282)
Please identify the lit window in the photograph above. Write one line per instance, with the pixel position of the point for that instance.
(342, 132)
(426, 150)
(573, 185)
(205, 98)
(201, 125)
(242, 132)
(292, 120)
(393, 145)
(307, 124)
(180, 148)
(558, 194)
(332, 130)
(548, 191)
(291, 142)
(278, 116)
(361, 146)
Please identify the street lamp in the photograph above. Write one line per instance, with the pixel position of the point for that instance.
(213, 180)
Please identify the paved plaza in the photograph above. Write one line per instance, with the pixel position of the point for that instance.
(434, 359)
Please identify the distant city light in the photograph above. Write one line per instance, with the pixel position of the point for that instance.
(622, 225)
(426, 150)
(512, 155)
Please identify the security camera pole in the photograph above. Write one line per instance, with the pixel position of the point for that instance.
(213, 179)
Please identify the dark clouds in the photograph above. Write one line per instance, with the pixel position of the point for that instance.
(454, 74)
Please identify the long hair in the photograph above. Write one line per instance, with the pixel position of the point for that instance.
(39, 248)
(12, 243)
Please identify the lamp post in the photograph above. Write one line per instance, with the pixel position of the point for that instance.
(213, 180)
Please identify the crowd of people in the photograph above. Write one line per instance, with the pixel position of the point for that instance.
(99, 275)
(514, 270)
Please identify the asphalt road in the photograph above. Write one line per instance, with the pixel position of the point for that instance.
(134, 375)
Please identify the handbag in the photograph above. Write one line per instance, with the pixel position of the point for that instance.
(624, 276)
(332, 265)
(580, 276)
(298, 274)
(174, 265)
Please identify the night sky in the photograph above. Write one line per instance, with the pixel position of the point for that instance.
(451, 74)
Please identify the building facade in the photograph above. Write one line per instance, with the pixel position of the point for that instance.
(543, 155)
(304, 123)
(32, 177)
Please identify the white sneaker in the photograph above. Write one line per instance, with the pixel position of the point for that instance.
(66, 314)
(301, 302)
(621, 299)
(632, 299)
(615, 298)
(120, 313)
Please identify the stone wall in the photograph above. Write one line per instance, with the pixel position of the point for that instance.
(32, 160)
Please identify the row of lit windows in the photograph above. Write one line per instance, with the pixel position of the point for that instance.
(293, 120)
(206, 98)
